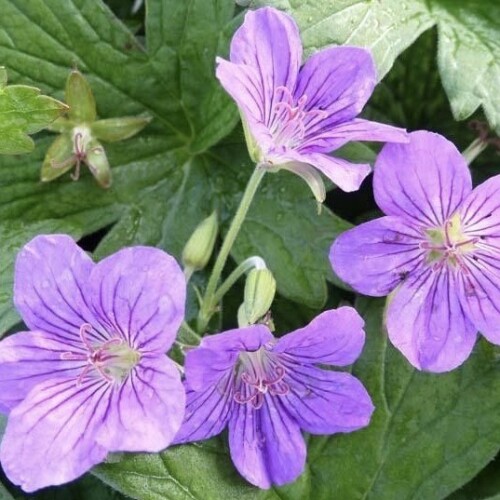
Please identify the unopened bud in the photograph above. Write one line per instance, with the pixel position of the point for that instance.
(260, 288)
(200, 245)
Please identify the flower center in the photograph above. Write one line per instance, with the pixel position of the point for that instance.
(259, 373)
(448, 245)
(81, 141)
(290, 120)
(112, 360)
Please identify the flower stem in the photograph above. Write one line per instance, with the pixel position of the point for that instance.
(245, 266)
(474, 149)
(209, 303)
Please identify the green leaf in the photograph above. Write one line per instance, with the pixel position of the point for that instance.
(4, 493)
(284, 227)
(429, 434)
(469, 40)
(13, 236)
(23, 111)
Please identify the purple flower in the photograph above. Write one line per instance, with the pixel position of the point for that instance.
(293, 115)
(266, 390)
(91, 376)
(437, 251)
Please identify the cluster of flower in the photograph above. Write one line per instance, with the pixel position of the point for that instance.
(91, 377)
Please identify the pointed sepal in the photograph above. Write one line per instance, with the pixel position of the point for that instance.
(80, 99)
(119, 129)
(97, 161)
(59, 158)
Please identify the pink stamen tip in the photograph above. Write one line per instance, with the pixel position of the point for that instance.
(257, 401)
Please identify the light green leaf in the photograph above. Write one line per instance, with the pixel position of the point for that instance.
(23, 111)
(469, 40)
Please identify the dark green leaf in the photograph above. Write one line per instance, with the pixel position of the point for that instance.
(429, 434)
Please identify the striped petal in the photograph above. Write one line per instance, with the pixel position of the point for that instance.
(50, 436)
(428, 324)
(423, 181)
(266, 446)
(375, 257)
(139, 293)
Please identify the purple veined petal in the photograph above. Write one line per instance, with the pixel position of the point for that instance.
(243, 84)
(339, 81)
(427, 322)
(28, 358)
(326, 402)
(50, 288)
(335, 337)
(249, 338)
(480, 212)
(146, 410)
(354, 130)
(140, 293)
(375, 257)
(479, 292)
(424, 180)
(205, 367)
(266, 445)
(269, 42)
(207, 410)
(50, 436)
(346, 175)
(480, 219)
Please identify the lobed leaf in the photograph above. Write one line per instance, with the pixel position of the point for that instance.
(23, 111)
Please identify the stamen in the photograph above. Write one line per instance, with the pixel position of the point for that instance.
(112, 359)
(290, 120)
(448, 246)
(266, 377)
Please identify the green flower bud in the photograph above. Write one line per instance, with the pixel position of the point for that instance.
(200, 245)
(260, 288)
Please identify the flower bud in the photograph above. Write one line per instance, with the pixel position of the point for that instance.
(200, 245)
(260, 288)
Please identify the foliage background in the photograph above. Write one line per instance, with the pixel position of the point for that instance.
(432, 437)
